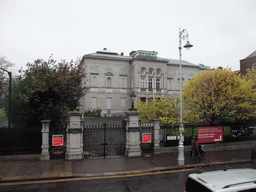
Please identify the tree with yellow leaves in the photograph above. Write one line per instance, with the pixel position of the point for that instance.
(165, 109)
(220, 96)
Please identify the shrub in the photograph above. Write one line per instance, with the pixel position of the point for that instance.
(92, 113)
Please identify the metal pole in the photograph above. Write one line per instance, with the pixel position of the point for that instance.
(181, 158)
(10, 95)
(104, 125)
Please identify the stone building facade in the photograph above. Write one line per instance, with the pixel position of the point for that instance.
(248, 63)
(111, 78)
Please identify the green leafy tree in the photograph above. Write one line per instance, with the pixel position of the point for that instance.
(219, 96)
(46, 91)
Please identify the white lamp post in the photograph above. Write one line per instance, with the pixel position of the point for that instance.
(183, 35)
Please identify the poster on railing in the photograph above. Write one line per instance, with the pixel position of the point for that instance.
(210, 134)
(57, 140)
(146, 137)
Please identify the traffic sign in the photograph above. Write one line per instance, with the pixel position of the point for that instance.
(181, 127)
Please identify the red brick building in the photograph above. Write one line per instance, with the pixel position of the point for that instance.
(248, 63)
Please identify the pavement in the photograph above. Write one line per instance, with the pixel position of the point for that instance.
(30, 167)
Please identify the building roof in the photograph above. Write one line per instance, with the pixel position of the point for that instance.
(149, 58)
(106, 51)
(251, 55)
(136, 55)
(107, 54)
(182, 62)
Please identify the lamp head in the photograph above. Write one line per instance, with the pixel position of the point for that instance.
(188, 45)
(133, 96)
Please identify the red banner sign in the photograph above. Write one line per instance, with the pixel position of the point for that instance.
(57, 140)
(146, 137)
(210, 134)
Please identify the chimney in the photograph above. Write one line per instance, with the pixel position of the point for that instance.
(122, 54)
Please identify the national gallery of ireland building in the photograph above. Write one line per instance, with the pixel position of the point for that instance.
(111, 78)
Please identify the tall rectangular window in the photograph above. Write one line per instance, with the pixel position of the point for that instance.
(123, 84)
(142, 84)
(94, 102)
(94, 81)
(109, 103)
(150, 83)
(123, 103)
(109, 82)
(157, 84)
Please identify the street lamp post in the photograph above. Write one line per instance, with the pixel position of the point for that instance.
(75, 94)
(133, 96)
(10, 94)
(183, 35)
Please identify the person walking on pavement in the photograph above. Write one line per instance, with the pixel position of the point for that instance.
(195, 148)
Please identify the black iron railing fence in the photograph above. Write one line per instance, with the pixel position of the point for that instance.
(14, 141)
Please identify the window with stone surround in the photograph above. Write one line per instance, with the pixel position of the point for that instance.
(109, 82)
(94, 81)
(142, 84)
(94, 102)
(150, 83)
(158, 72)
(158, 84)
(123, 82)
(109, 102)
(123, 102)
(150, 71)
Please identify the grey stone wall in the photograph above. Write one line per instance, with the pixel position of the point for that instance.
(111, 78)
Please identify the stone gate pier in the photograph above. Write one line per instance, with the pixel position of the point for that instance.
(74, 136)
(133, 134)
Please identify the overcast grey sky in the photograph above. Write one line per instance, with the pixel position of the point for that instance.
(222, 31)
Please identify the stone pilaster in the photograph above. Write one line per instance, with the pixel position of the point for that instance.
(45, 155)
(133, 135)
(156, 123)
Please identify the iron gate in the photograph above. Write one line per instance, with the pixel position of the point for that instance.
(104, 140)
(147, 138)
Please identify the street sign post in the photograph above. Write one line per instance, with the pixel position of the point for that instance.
(181, 127)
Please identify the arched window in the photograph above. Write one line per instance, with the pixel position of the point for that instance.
(150, 71)
(143, 71)
(158, 72)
